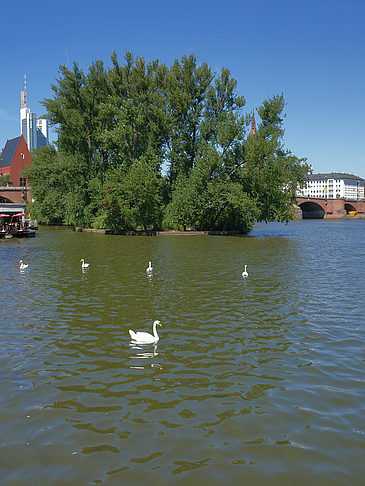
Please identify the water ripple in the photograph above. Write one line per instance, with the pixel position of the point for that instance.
(262, 375)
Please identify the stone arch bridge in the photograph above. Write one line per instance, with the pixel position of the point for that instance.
(328, 208)
(13, 194)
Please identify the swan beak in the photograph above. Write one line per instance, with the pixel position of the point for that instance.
(159, 323)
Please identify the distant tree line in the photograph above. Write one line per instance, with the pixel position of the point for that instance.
(145, 146)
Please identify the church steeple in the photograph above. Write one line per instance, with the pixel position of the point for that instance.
(253, 125)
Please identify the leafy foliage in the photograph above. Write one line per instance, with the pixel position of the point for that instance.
(209, 199)
(130, 199)
(59, 187)
(5, 180)
(272, 173)
(144, 146)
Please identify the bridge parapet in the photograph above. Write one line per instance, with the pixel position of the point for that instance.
(15, 194)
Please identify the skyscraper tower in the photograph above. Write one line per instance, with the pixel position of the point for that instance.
(28, 120)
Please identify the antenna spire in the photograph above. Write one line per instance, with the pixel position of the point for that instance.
(25, 89)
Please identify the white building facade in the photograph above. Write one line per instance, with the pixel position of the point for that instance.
(332, 186)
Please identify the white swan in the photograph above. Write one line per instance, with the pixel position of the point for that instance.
(145, 337)
(83, 264)
(149, 269)
(245, 273)
(22, 265)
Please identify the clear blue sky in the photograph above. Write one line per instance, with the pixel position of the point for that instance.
(312, 51)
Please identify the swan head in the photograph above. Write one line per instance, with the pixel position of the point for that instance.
(157, 323)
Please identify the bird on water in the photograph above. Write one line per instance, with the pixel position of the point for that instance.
(149, 269)
(245, 273)
(145, 337)
(22, 265)
(83, 264)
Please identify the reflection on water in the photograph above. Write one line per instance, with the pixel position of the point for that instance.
(253, 379)
(142, 352)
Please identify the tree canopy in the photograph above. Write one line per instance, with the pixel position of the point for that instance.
(145, 146)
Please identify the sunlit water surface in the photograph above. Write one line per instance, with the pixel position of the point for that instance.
(254, 381)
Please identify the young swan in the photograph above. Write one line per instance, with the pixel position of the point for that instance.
(22, 265)
(245, 273)
(145, 337)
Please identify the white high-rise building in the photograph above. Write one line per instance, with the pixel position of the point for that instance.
(28, 128)
(35, 131)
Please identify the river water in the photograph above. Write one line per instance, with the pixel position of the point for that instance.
(254, 381)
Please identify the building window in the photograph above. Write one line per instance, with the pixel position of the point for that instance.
(22, 182)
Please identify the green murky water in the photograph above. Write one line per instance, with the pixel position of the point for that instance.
(253, 380)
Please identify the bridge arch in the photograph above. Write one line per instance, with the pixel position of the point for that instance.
(349, 207)
(312, 210)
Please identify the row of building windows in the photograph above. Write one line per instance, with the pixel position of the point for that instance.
(334, 188)
(328, 180)
(22, 180)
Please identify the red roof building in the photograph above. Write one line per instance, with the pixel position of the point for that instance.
(14, 159)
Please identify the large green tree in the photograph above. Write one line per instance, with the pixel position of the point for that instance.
(129, 199)
(59, 187)
(75, 111)
(135, 111)
(210, 199)
(141, 144)
(187, 89)
(271, 173)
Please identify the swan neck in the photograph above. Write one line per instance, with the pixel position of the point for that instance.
(154, 330)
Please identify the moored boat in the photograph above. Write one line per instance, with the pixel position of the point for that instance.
(13, 222)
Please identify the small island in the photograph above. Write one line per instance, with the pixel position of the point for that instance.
(143, 146)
